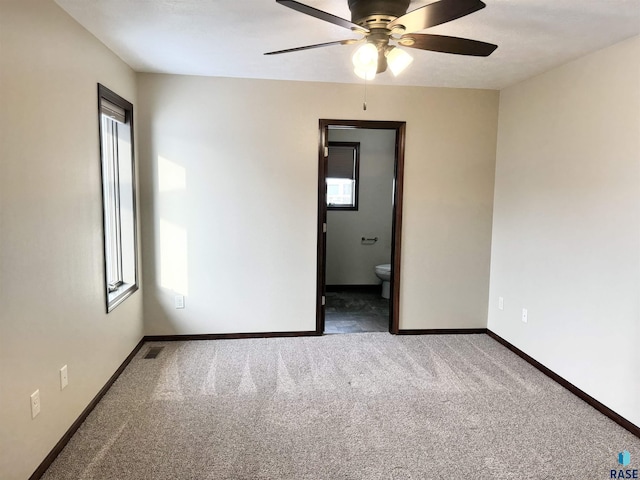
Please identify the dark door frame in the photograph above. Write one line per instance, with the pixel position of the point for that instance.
(396, 235)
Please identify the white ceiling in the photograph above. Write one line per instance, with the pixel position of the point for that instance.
(228, 38)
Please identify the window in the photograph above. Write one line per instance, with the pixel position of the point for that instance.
(118, 197)
(342, 175)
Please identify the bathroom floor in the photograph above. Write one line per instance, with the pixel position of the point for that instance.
(356, 312)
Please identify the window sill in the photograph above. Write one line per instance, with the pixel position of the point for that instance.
(119, 295)
(348, 208)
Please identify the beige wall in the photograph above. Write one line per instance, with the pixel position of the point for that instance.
(349, 262)
(51, 293)
(566, 231)
(229, 184)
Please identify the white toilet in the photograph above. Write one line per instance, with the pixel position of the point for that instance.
(384, 273)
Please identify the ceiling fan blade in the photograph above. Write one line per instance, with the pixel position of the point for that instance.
(435, 14)
(442, 43)
(317, 45)
(327, 17)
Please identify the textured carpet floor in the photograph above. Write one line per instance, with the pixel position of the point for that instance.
(356, 406)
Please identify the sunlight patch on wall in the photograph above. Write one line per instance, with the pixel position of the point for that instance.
(171, 176)
(173, 257)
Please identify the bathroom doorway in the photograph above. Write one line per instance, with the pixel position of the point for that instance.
(359, 225)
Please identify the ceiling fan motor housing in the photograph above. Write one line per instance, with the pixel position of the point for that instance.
(375, 15)
(362, 9)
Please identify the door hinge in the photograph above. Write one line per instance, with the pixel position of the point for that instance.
(324, 228)
(326, 151)
(324, 300)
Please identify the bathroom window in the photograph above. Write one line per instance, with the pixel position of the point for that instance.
(118, 196)
(342, 175)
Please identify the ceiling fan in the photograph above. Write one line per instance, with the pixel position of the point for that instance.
(385, 21)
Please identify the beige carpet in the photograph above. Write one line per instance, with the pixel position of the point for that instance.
(356, 406)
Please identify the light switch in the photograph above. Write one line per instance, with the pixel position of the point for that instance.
(179, 301)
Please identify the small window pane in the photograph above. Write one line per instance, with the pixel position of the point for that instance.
(340, 192)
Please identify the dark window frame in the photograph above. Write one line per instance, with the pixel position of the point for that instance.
(128, 282)
(356, 175)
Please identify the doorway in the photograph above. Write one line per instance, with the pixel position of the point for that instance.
(398, 129)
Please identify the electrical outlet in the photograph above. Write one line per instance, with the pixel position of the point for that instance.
(64, 377)
(35, 404)
(525, 315)
(500, 303)
(179, 301)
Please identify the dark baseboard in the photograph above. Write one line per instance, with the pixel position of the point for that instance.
(354, 288)
(226, 336)
(443, 331)
(46, 463)
(620, 420)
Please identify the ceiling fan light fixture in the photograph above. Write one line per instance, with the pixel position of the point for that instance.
(365, 61)
(398, 60)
